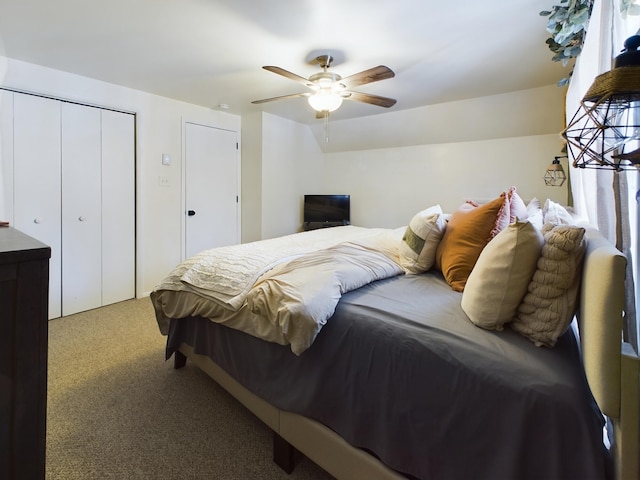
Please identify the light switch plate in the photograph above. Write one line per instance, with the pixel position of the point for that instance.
(166, 159)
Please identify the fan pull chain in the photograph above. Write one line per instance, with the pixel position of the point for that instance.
(326, 127)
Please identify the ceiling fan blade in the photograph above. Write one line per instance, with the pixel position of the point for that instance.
(374, 74)
(288, 74)
(282, 97)
(372, 99)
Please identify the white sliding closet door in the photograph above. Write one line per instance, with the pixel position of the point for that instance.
(67, 174)
(118, 207)
(36, 170)
(81, 209)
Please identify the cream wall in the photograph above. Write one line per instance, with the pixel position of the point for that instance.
(388, 186)
(280, 163)
(445, 154)
(292, 165)
(159, 123)
(251, 177)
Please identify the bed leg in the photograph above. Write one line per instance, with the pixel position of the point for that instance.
(283, 453)
(179, 360)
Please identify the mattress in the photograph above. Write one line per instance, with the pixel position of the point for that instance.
(401, 372)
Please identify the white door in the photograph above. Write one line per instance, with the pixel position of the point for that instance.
(211, 188)
(6, 156)
(36, 169)
(81, 209)
(118, 207)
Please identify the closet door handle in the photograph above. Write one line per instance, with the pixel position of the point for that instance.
(191, 213)
(37, 220)
(81, 218)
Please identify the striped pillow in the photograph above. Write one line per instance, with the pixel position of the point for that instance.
(420, 240)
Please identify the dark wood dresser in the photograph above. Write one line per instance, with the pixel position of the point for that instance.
(24, 292)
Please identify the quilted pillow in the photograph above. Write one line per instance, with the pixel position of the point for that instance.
(499, 280)
(417, 250)
(468, 231)
(549, 305)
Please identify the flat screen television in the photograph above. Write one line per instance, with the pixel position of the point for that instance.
(335, 209)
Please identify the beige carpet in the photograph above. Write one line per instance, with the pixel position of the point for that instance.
(117, 410)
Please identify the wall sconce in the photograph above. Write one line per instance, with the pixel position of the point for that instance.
(605, 131)
(555, 176)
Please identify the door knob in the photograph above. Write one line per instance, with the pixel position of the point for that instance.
(191, 213)
(37, 220)
(82, 218)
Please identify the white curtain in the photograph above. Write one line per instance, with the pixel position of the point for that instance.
(591, 189)
(606, 198)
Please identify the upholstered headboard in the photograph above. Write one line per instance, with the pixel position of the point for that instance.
(612, 371)
(600, 319)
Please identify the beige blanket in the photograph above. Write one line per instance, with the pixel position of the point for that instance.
(281, 290)
(226, 274)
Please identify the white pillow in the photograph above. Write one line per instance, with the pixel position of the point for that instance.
(499, 279)
(556, 214)
(517, 207)
(534, 213)
(420, 240)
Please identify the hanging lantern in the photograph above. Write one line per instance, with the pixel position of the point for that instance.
(605, 131)
(555, 176)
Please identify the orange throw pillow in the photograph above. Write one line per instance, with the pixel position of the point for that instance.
(468, 232)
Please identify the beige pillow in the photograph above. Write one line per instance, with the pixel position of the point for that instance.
(549, 305)
(499, 280)
(423, 234)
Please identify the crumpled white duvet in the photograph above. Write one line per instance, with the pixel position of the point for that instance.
(226, 274)
(301, 295)
(283, 289)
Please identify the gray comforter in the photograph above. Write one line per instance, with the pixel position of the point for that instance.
(400, 371)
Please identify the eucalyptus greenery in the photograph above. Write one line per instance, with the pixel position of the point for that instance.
(568, 26)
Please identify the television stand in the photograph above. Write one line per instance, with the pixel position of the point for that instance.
(316, 225)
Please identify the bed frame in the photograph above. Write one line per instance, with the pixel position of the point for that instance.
(611, 365)
(612, 369)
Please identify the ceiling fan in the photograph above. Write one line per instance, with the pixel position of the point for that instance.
(328, 89)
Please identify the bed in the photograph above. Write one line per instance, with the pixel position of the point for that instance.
(389, 379)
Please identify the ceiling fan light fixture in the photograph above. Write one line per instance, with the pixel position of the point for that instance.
(324, 79)
(325, 100)
(329, 89)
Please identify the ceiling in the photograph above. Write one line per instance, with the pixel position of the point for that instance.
(210, 52)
